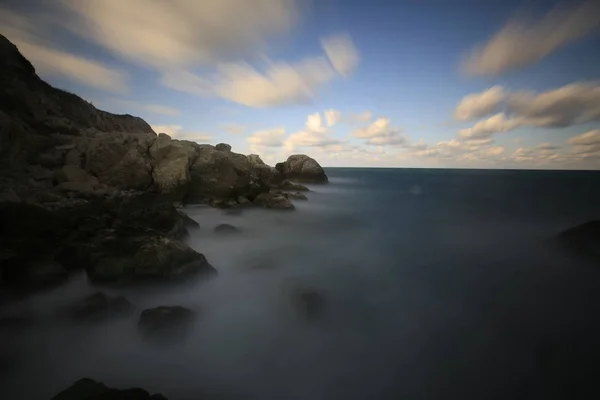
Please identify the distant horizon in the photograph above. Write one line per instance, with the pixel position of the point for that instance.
(500, 85)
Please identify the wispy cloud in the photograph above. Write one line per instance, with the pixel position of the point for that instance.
(30, 37)
(523, 41)
(152, 108)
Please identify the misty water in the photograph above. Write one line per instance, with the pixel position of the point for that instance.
(437, 284)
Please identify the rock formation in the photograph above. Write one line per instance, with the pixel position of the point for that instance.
(87, 189)
(301, 168)
(89, 389)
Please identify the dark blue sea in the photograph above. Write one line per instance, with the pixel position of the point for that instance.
(436, 284)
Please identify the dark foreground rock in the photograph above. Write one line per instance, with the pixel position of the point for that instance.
(308, 303)
(165, 321)
(582, 240)
(226, 229)
(87, 389)
(289, 195)
(274, 201)
(100, 306)
(302, 168)
(287, 185)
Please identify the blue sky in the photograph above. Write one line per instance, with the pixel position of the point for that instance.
(349, 82)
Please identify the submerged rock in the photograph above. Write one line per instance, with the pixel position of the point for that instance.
(275, 201)
(226, 229)
(582, 240)
(302, 168)
(165, 321)
(88, 389)
(100, 306)
(309, 303)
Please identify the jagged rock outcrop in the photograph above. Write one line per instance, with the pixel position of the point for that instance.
(88, 389)
(274, 200)
(302, 168)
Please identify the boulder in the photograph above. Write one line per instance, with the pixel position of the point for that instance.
(172, 160)
(222, 175)
(125, 259)
(275, 201)
(165, 320)
(87, 389)
(302, 168)
(99, 306)
(582, 240)
(267, 174)
(223, 147)
(287, 185)
(226, 229)
(309, 303)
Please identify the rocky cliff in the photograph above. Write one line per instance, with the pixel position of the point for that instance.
(84, 188)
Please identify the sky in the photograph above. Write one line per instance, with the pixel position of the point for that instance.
(352, 83)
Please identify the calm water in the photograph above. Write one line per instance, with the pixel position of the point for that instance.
(438, 284)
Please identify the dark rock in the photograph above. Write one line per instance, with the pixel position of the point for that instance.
(223, 147)
(226, 229)
(309, 303)
(74, 174)
(188, 222)
(243, 201)
(222, 175)
(172, 162)
(100, 306)
(16, 322)
(224, 203)
(297, 196)
(131, 259)
(287, 185)
(165, 320)
(87, 389)
(265, 173)
(582, 240)
(301, 168)
(275, 201)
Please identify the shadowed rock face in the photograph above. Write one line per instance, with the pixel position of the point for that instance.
(582, 240)
(302, 168)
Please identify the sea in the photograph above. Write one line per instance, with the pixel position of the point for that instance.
(435, 284)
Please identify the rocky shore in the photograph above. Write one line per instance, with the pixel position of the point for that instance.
(82, 188)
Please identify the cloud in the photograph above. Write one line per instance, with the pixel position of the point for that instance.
(341, 53)
(480, 104)
(548, 146)
(586, 139)
(486, 128)
(314, 123)
(332, 117)
(31, 40)
(314, 134)
(522, 42)
(280, 84)
(380, 133)
(267, 138)
(179, 32)
(234, 129)
(152, 108)
(177, 132)
(573, 104)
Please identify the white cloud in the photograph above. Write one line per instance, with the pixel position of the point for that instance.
(548, 146)
(379, 127)
(573, 104)
(521, 42)
(179, 32)
(494, 151)
(365, 116)
(480, 104)
(282, 83)
(267, 138)
(177, 132)
(486, 128)
(152, 108)
(31, 39)
(332, 117)
(314, 123)
(341, 53)
(586, 139)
